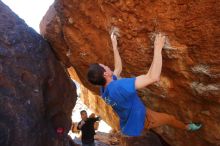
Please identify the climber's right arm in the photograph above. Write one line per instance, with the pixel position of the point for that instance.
(117, 58)
(154, 72)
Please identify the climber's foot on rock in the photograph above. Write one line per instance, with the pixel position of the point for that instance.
(194, 126)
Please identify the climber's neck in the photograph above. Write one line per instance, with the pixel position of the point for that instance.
(108, 81)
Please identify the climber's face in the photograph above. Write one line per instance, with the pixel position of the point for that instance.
(84, 115)
(108, 72)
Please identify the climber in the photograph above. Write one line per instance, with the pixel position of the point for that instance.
(121, 94)
(86, 125)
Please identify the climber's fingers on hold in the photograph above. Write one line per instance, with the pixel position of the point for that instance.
(113, 36)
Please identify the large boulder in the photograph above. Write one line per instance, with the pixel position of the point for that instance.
(36, 94)
(190, 81)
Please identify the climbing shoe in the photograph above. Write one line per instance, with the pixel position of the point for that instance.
(194, 126)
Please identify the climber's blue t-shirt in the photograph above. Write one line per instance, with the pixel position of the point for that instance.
(122, 96)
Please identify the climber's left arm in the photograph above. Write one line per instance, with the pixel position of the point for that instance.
(117, 58)
(154, 72)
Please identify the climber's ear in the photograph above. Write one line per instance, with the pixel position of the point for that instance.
(105, 74)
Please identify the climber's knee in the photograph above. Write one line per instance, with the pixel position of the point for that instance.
(163, 119)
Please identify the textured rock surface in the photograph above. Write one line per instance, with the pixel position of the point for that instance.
(190, 82)
(36, 95)
(148, 138)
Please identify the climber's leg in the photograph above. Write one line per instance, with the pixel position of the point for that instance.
(156, 119)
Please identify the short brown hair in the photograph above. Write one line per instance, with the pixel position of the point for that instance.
(83, 111)
(96, 74)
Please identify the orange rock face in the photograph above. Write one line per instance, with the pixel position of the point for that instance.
(190, 82)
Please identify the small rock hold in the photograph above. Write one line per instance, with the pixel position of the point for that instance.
(206, 112)
(120, 20)
(36, 90)
(29, 102)
(70, 20)
(57, 19)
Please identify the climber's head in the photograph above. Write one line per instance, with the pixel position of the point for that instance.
(84, 115)
(99, 74)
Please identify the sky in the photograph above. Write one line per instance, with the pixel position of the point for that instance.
(32, 11)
